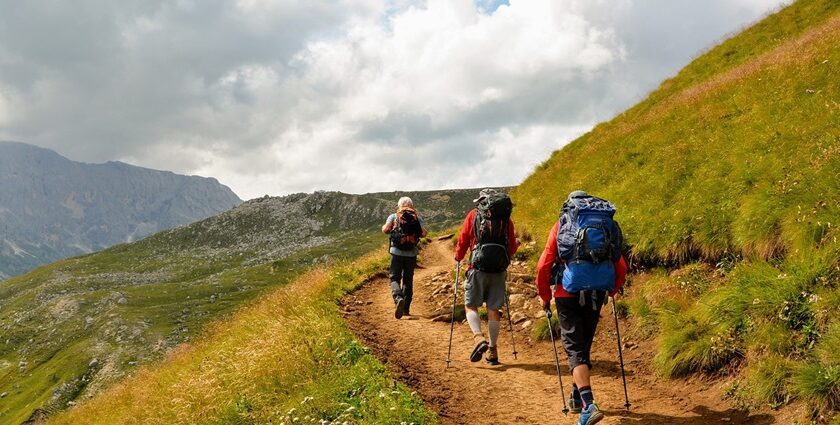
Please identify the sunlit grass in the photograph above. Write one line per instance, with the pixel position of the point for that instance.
(725, 179)
(288, 355)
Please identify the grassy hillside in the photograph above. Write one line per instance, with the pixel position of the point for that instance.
(72, 328)
(727, 180)
(288, 358)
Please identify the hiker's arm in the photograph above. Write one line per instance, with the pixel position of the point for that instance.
(511, 236)
(620, 274)
(549, 255)
(423, 230)
(465, 237)
(388, 225)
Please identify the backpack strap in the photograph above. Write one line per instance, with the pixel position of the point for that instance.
(594, 296)
(477, 228)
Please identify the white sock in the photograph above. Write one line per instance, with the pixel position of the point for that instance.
(493, 326)
(474, 321)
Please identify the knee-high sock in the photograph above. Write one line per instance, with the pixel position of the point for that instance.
(474, 321)
(493, 328)
(586, 395)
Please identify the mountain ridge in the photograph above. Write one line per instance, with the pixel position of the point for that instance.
(53, 208)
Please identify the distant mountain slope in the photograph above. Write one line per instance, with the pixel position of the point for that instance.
(53, 208)
(72, 327)
(726, 179)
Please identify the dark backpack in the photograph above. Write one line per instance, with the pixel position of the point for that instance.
(589, 242)
(490, 252)
(407, 231)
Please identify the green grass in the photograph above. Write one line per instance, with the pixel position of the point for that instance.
(128, 305)
(737, 168)
(725, 179)
(540, 330)
(290, 355)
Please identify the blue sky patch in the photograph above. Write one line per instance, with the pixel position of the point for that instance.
(490, 6)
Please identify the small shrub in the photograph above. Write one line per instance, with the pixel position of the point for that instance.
(460, 313)
(540, 330)
(694, 278)
(767, 381)
(524, 235)
(622, 309)
(818, 386)
(646, 323)
(694, 344)
(770, 337)
(524, 253)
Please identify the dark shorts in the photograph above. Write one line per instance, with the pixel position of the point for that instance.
(485, 288)
(577, 326)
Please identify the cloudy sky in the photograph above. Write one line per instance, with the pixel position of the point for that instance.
(281, 96)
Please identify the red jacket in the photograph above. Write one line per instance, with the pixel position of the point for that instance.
(466, 240)
(547, 260)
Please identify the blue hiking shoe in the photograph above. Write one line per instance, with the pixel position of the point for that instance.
(590, 415)
(575, 403)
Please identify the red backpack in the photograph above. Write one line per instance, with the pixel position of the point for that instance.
(406, 233)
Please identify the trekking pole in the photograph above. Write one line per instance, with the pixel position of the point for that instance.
(510, 324)
(452, 321)
(556, 361)
(620, 356)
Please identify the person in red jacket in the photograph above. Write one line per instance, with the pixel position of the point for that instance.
(578, 321)
(483, 287)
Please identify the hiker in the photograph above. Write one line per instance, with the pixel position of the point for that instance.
(405, 228)
(582, 256)
(488, 233)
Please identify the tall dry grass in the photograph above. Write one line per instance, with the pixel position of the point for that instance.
(287, 358)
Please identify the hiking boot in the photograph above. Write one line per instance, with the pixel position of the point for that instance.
(575, 403)
(400, 310)
(493, 355)
(480, 347)
(590, 415)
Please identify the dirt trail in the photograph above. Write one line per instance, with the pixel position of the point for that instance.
(524, 390)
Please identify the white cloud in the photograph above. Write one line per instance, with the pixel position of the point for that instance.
(278, 96)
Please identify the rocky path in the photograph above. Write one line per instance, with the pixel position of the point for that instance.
(521, 390)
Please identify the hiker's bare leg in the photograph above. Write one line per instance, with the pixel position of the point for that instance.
(581, 375)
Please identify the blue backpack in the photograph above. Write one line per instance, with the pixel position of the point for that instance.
(589, 242)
